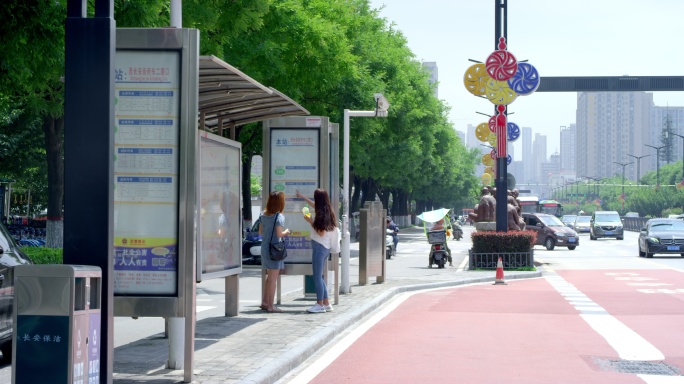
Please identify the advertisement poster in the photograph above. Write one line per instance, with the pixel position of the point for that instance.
(220, 244)
(146, 129)
(295, 167)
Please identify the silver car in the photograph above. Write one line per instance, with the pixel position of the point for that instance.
(606, 224)
(582, 224)
(568, 220)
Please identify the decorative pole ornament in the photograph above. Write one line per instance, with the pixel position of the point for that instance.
(501, 127)
(501, 79)
(501, 65)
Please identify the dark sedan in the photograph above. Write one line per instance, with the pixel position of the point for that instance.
(10, 256)
(662, 236)
(251, 245)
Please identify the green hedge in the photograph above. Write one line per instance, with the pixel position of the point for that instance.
(495, 242)
(42, 255)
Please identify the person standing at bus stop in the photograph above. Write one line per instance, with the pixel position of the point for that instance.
(272, 225)
(325, 238)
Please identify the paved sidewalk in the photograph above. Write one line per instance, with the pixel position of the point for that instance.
(260, 347)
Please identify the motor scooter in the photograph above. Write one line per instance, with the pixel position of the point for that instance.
(437, 227)
(390, 250)
(438, 250)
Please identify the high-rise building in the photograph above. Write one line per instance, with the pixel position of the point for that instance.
(471, 139)
(611, 125)
(567, 148)
(526, 157)
(659, 116)
(462, 136)
(538, 157)
(431, 66)
(549, 174)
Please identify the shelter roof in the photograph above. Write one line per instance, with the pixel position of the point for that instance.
(228, 97)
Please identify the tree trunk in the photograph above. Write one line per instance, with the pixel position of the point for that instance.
(354, 200)
(53, 129)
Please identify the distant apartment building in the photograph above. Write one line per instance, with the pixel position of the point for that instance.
(431, 67)
(538, 158)
(462, 137)
(568, 148)
(611, 125)
(526, 156)
(471, 139)
(659, 117)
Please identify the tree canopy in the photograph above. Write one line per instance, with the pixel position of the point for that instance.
(325, 55)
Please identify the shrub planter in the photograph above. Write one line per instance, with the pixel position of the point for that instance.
(482, 260)
(514, 248)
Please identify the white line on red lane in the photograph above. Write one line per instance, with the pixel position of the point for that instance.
(628, 344)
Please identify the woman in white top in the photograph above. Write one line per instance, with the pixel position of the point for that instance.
(324, 236)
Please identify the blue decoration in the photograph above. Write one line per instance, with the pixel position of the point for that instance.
(525, 81)
(513, 131)
(509, 159)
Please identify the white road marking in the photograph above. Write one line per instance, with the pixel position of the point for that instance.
(461, 267)
(628, 344)
(661, 290)
(658, 379)
(200, 308)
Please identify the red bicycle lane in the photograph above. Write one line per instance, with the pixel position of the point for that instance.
(649, 301)
(523, 332)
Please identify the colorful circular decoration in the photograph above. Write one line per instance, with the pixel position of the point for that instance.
(525, 81)
(493, 154)
(486, 179)
(482, 132)
(492, 123)
(491, 138)
(501, 64)
(487, 160)
(513, 131)
(475, 79)
(509, 159)
(499, 93)
(489, 170)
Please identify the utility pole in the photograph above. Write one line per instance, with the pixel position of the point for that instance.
(657, 161)
(623, 175)
(638, 166)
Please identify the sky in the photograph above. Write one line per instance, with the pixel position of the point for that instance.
(560, 38)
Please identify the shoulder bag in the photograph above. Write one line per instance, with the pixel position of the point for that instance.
(278, 251)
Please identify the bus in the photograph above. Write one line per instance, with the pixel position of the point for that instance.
(552, 207)
(529, 204)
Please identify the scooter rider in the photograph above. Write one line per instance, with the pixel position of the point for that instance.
(457, 230)
(439, 226)
(395, 232)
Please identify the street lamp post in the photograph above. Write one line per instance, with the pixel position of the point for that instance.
(381, 106)
(657, 161)
(638, 166)
(682, 150)
(595, 179)
(623, 174)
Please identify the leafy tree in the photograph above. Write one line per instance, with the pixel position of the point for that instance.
(666, 140)
(31, 67)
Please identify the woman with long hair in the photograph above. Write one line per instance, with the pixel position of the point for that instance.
(271, 230)
(324, 237)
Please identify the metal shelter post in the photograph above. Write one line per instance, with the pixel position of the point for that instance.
(88, 152)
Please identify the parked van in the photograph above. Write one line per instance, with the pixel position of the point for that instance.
(606, 224)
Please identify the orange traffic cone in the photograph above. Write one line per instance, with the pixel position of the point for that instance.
(499, 273)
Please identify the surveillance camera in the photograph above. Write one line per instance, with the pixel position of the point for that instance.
(381, 104)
